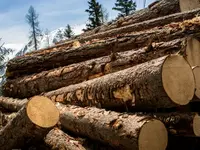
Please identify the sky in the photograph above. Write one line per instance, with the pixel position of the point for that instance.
(53, 14)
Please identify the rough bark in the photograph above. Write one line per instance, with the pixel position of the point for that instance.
(181, 124)
(24, 126)
(45, 81)
(11, 104)
(157, 22)
(58, 140)
(5, 118)
(139, 86)
(40, 62)
(186, 5)
(155, 10)
(119, 130)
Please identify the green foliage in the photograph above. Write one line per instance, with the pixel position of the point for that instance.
(95, 14)
(125, 7)
(68, 32)
(32, 20)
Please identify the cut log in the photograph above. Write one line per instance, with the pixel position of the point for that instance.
(181, 124)
(154, 10)
(186, 5)
(193, 51)
(32, 121)
(58, 140)
(196, 71)
(160, 83)
(119, 130)
(157, 22)
(11, 104)
(51, 80)
(40, 62)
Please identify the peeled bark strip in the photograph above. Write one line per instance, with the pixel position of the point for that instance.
(186, 5)
(32, 121)
(193, 51)
(196, 71)
(36, 63)
(119, 130)
(155, 10)
(181, 124)
(51, 80)
(11, 104)
(158, 83)
(58, 140)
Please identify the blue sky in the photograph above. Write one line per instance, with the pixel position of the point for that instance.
(52, 15)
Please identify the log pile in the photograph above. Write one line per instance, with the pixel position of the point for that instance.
(132, 84)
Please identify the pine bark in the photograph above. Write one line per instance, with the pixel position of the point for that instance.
(178, 124)
(58, 140)
(5, 118)
(157, 22)
(12, 105)
(119, 130)
(45, 81)
(17, 131)
(46, 61)
(28, 126)
(140, 86)
(155, 10)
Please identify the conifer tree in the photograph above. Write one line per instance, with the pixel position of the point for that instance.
(125, 7)
(68, 33)
(32, 20)
(95, 14)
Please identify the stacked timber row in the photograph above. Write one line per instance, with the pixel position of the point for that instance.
(131, 84)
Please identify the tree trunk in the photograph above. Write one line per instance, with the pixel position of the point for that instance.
(119, 130)
(157, 83)
(35, 63)
(186, 5)
(11, 104)
(157, 22)
(155, 10)
(32, 121)
(58, 140)
(51, 80)
(181, 124)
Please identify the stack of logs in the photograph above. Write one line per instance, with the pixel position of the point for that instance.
(132, 84)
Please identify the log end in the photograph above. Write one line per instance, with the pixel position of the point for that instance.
(196, 125)
(153, 136)
(178, 79)
(42, 112)
(192, 51)
(196, 71)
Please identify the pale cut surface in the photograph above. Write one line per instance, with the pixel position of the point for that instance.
(196, 71)
(193, 52)
(186, 5)
(153, 136)
(196, 125)
(178, 79)
(42, 112)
